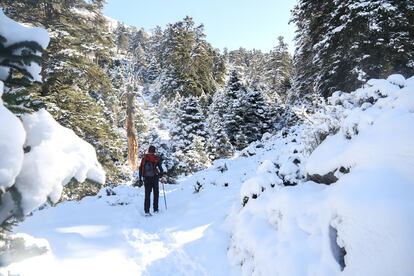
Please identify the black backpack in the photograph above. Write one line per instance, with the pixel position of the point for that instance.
(149, 169)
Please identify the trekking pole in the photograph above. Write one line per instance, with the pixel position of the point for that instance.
(165, 199)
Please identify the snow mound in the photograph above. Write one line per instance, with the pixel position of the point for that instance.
(371, 135)
(56, 156)
(12, 137)
(361, 224)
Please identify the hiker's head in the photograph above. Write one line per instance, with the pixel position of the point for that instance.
(151, 149)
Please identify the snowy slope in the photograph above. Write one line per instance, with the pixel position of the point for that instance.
(245, 221)
(362, 224)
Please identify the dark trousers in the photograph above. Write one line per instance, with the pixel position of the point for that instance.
(150, 184)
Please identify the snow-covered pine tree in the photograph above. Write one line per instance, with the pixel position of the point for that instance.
(248, 115)
(205, 101)
(153, 70)
(219, 67)
(258, 115)
(218, 143)
(380, 44)
(15, 60)
(138, 50)
(239, 60)
(121, 38)
(154, 50)
(279, 71)
(311, 27)
(187, 60)
(196, 158)
(233, 121)
(75, 87)
(189, 124)
(342, 44)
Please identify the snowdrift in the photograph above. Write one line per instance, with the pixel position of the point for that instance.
(54, 155)
(360, 224)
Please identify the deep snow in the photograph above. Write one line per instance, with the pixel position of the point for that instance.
(110, 236)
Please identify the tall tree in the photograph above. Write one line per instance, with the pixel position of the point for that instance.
(187, 61)
(189, 134)
(279, 71)
(79, 50)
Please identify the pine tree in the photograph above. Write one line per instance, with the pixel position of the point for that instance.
(17, 57)
(247, 114)
(138, 48)
(187, 61)
(122, 38)
(76, 89)
(190, 122)
(218, 143)
(258, 116)
(342, 44)
(279, 71)
(189, 133)
(195, 158)
(232, 116)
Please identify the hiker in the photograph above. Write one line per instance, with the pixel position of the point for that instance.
(150, 169)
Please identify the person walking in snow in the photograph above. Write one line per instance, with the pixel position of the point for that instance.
(150, 169)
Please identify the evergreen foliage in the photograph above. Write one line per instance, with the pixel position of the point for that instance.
(271, 72)
(16, 58)
(189, 136)
(76, 89)
(249, 115)
(342, 44)
(239, 116)
(16, 61)
(278, 71)
(93, 63)
(218, 143)
(189, 65)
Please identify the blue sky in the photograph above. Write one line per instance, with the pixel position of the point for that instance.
(228, 23)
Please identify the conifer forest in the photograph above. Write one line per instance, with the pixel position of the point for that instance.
(274, 162)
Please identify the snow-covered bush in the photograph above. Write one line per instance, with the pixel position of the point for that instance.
(362, 224)
(38, 156)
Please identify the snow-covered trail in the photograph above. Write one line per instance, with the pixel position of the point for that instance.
(110, 236)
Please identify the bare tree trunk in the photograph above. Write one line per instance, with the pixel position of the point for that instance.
(132, 140)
